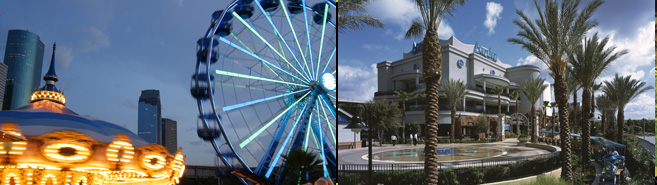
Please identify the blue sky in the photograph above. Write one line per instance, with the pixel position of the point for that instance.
(629, 24)
(109, 51)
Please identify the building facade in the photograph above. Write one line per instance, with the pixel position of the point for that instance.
(170, 135)
(478, 67)
(150, 116)
(24, 58)
(3, 82)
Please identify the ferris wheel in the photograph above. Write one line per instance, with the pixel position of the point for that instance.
(265, 84)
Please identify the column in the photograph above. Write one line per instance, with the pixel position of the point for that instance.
(484, 95)
(463, 103)
(417, 77)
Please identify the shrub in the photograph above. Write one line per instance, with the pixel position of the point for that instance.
(511, 135)
(471, 175)
(448, 176)
(523, 136)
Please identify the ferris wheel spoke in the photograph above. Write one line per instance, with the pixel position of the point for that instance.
(226, 73)
(325, 119)
(328, 105)
(321, 42)
(269, 49)
(237, 106)
(305, 15)
(250, 138)
(260, 59)
(296, 39)
(267, 43)
(241, 65)
(333, 97)
(305, 141)
(287, 140)
(326, 154)
(267, 157)
(328, 61)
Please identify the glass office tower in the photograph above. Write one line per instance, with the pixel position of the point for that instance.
(170, 135)
(23, 57)
(150, 116)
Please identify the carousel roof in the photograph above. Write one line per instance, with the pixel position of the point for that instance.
(43, 117)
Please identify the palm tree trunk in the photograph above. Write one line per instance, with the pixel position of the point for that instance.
(586, 125)
(592, 101)
(532, 134)
(499, 111)
(575, 111)
(403, 121)
(620, 120)
(432, 71)
(561, 95)
(451, 133)
(603, 122)
(517, 121)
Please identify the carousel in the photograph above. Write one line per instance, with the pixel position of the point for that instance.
(46, 143)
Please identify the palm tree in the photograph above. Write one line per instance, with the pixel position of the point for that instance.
(431, 14)
(573, 87)
(455, 91)
(588, 63)
(552, 38)
(604, 104)
(553, 105)
(498, 90)
(546, 104)
(352, 18)
(403, 95)
(594, 88)
(621, 90)
(533, 90)
(514, 95)
(301, 167)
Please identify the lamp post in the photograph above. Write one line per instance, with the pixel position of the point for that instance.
(356, 126)
(369, 145)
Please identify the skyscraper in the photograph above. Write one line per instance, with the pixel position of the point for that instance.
(150, 116)
(3, 82)
(170, 135)
(23, 57)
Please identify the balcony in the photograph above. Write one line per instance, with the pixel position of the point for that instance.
(488, 91)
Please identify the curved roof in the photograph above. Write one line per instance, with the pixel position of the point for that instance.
(44, 117)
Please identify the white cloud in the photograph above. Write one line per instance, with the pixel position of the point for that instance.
(63, 57)
(636, 109)
(493, 11)
(92, 39)
(357, 83)
(641, 54)
(375, 47)
(402, 13)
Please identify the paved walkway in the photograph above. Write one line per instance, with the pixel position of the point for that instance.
(355, 156)
(648, 142)
(598, 172)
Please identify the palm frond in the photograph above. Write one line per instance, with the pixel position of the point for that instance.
(415, 30)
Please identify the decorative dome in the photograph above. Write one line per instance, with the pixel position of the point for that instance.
(49, 91)
(47, 143)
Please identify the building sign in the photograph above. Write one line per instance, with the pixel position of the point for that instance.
(460, 63)
(417, 47)
(485, 52)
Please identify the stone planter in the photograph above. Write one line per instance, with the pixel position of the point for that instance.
(522, 141)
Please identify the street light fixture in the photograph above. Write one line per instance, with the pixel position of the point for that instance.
(357, 120)
(356, 126)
